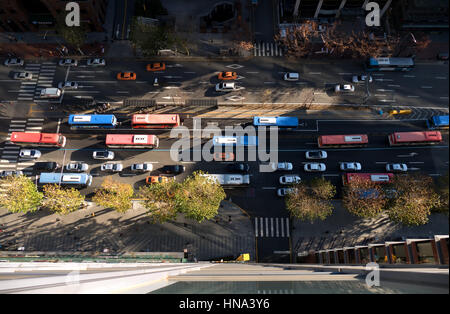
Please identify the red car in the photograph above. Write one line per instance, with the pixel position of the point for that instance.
(227, 76)
(223, 156)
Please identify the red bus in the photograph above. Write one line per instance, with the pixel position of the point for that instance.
(374, 177)
(414, 138)
(38, 139)
(155, 121)
(131, 141)
(355, 140)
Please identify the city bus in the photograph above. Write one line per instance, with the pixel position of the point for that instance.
(95, 121)
(281, 122)
(389, 64)
(229, 179)
(374, 177)
(131, 141)
(240, 140)
(155, 121)
(38, 139)
(75, 179)
(415, 138)
(437, 122)
(355, 140)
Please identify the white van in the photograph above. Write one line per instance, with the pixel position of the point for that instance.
(51, 93)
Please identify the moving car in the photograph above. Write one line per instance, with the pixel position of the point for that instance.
(291, 76)
(144, 167)
(291, 179)
(361, 78)
(226, 87)
(314, 167)
(223, 156)
(96, 62)
(350, 166)
(113, 167)
(227, 75)
(348, 88)
(13, 62)
(68, 62)
(397, 167)
(29, 153)
(285, 191)
(77, 167)
(68, 85)
(156, 179)
(239, 167)
(103, 154)
(10, 173)
(316, 154)
(173, 169)
(46, 166)
(50, 92)
(157, 66)
(23, 76)
(126, 76)
(283, 166)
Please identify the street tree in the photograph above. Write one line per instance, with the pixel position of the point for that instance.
(311, 200)
(21, 195)
(299, 40)
(115, 195)
(364, 198)
(62, 200)
(414, 199)
(159, 200)
(74, 36)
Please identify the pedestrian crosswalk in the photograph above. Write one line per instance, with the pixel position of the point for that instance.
(272, 227)
(42, 78)
(46, 74)
(263, 49)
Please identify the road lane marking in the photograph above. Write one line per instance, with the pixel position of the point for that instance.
(426, 86)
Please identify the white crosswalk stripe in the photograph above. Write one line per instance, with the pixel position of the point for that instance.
(263, 49)
(271, 227)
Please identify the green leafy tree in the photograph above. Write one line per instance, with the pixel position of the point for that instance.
(160, 200)
(364, 198)
(311, 200)
(21, 195)
(115, 195)
(62, 200)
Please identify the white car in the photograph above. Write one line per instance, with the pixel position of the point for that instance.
(348, 88)
(113, 167)
(284, 191)
(226, 87)
(292, 179)
(284, 166)
(23, 76)
(68, 85)
(96, 62)
(77, 167)
(316, 154)
(361, 78)
(397, 167)
(103, 154)
(142, 167)
(315, 167)
(350, 166)
(68, 62)
(291, 76)
(13, 62)
(29, 153)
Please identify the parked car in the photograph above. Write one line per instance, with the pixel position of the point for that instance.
(227, 75)
(283, 166)
(96, 62)
(68, 62)
(291, 76)
(23, 76)
(223, 156)
(144, 167)
(361, 78)
(173, 169)
(285, 191)
(13, 62)
(290, 179)
(350, 166)
(156, 179)
(68, 85)
(316, 154)
(226, 87)
(315, 167)
(10, 173)
(29, 153)
(46, 166)
(346, 88)
(397, 167)
(77, 167)
(157, 66)
(113, 167)
(239, 167)
(103, 154)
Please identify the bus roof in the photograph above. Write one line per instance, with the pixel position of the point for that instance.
(374, 177)
(440, 120)
(391, 61)
(156, 118)
(279, 121)
(91, 119)
(125, 139)
(46, 138)
(52, 177)
(343, 139)
(425, 136)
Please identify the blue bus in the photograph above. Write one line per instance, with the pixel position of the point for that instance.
(76, 179)
(240, 140)
(389, 64)
(281, 122)
(95, 121)
(438, 122)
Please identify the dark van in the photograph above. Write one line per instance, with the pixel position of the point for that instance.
(46, 166)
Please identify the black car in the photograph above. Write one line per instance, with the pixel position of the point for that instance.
(238, 167)
(46, 166)
(173, 169)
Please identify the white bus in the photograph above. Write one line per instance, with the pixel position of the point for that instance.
(230, 179)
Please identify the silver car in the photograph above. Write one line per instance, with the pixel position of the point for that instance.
(103, 154)
(344, 88)
(226, 87)
(350, 166)
(23, 76)
(29, 153)
(285, 191)
(142, 167)
(96, 62)
(361, 78)
(68, 62)
(315, 167)
(291, 76)
(77, 167)
(13, 62)
(397, 167)
(316, 154)
(113, 167)
(68, 85)
(284, 166)
(291, 179)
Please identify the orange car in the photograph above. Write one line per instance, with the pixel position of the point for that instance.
(159, 66)
(227, 75)
(223, 156)
(156, 179)
(126, 76)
